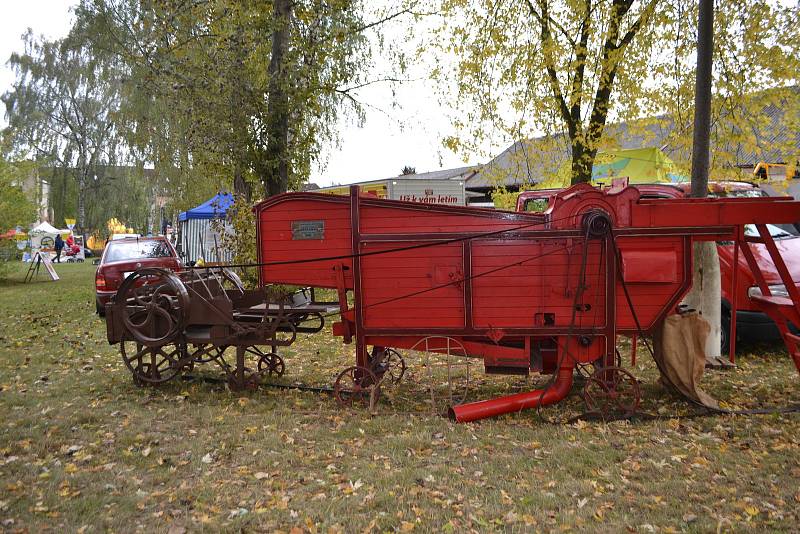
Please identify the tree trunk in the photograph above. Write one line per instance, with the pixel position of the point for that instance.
(706, 294)
(151, 213)
(582, 162)
(706, 297)
(240, 185)
(276, 180)
(82, 180)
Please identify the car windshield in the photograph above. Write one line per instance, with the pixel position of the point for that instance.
(537, 204)
(774, 231)
(134, 250)
(737, 193)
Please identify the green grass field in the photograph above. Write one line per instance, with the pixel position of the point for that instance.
(84, 449)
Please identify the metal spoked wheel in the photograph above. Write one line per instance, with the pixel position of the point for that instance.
(269, 363)
(587, 370)
(612, 392)
(249, 381)
(447, 369)
(154, 306)
(395, 366)
(206, 353)
(356, 385)
(153, 365)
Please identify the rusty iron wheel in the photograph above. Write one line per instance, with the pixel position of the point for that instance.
(356, 384)
(251, 381)
(206, 353)
(153, 365)
(612, 391)
(596, 397)
(154, 306)
(586, 370)
(447, 369)
(626, 391)
(269, 364)
(395, 366)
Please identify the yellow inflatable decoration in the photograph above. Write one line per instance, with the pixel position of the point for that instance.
(639, 165)
(116, 227)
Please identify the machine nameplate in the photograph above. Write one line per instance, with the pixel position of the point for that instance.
(308, 230)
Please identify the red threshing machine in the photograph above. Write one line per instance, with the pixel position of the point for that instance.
(524, 292)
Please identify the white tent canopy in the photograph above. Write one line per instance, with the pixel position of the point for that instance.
(45, 228)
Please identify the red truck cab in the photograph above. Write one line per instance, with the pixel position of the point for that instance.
(751, 323)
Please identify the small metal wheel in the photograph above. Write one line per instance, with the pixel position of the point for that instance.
(206, 353)
(251, 380)
(269, 364)
(447, 369)
(586, 370)
(394, 365)
(153, 365)
(154, 306)
(612, 391)
(356, 384)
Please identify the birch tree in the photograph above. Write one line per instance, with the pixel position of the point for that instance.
(252, 89)
(61, 110)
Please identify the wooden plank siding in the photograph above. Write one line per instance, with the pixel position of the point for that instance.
(514, 282)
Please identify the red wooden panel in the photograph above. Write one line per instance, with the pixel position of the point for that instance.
(389, 282)
(653, 274)
(544, 282)
(648, 265)
(278, 244)
(391, 218)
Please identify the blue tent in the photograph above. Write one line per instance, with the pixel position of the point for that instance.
(199, 237)
(213, 208)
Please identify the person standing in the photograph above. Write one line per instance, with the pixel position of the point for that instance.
(59, 247)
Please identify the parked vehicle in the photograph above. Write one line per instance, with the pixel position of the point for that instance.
(751, 323)
(123, 256)
(114, 237)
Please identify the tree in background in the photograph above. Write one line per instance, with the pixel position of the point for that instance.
(16, 210)
(15, 207)
(568, 69)
(61, 110)
(123, 192)
(237, 92)
(248, 91)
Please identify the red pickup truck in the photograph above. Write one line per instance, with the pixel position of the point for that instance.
(751, 324)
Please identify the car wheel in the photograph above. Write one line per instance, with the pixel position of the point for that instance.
(101, 311)
(725, 324)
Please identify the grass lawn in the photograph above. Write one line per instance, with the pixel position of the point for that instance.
(84, 449)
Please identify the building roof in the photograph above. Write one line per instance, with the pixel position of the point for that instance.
(458, 173)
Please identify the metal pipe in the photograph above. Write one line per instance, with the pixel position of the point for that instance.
(473, 411)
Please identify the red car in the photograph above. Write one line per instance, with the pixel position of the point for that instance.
(123, 256)
(751, 323)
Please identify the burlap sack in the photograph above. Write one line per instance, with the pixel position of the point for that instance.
(679, 347)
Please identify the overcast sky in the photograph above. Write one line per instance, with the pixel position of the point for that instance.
(46, 17)
(393, 136)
